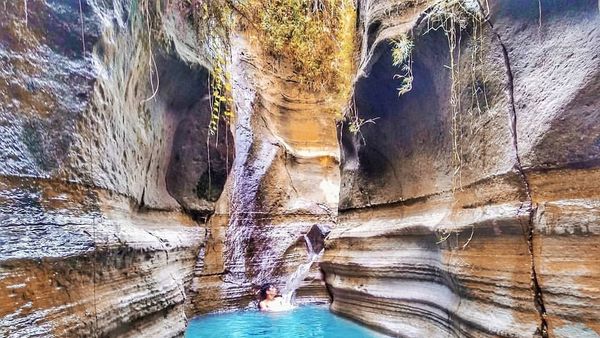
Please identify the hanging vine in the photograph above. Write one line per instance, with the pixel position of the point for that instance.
(213, 21)
(221, 97)
(452, 17)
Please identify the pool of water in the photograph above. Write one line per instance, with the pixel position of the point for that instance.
(301, 322)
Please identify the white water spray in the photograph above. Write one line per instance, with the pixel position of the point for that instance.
(295, 279)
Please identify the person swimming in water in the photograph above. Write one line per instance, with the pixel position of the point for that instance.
(270, 300)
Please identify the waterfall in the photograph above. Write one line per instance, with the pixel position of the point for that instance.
(309, 246)
(295, 279)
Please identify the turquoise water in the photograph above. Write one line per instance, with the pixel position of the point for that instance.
(301, 322)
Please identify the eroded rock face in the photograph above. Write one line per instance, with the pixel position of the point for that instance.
(424, 249)
(284, 180)
(82, 262)
(107, 161)
(97, 167)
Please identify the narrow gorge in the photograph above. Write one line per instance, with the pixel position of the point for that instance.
(426, 168)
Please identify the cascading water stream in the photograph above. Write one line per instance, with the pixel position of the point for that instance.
(294, 280)
(309, 246)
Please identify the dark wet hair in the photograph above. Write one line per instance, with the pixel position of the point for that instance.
(263, 290)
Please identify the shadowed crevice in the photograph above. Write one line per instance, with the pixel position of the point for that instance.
(527, 205)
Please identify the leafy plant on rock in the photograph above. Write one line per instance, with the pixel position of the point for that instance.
(402, 57)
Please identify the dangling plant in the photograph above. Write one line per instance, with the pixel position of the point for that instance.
(213, 21)
(222, 97)
(452, 17)
(402, 58)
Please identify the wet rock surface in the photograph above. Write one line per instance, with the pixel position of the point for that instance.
(79, 269)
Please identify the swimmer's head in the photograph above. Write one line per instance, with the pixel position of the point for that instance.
(268, 291)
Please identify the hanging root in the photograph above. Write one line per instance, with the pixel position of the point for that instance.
(82, 27)
(151, 61)
(26, 19)
(452, 17)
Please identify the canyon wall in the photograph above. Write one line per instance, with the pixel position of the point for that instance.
(110, 179)
(284, 185)
(471, 207)
(104, 153)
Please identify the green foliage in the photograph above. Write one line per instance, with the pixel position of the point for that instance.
(401, 50)
(222, 97)
(356, 123)
(315, 36)
(402, 57)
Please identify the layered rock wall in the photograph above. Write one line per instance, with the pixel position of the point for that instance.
(103, 148)
(469, 208)
(284, 181)
(490, 233)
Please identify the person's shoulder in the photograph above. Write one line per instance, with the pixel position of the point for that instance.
(262, 304)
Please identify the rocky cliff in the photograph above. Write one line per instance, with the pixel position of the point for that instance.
(110, 177)
(470, 207)
(101, 206)
(466, 204)
(285, 182)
